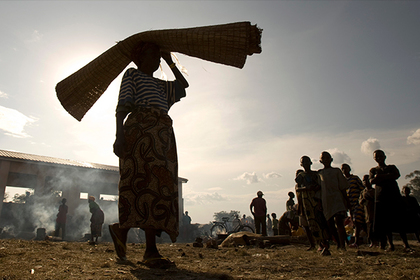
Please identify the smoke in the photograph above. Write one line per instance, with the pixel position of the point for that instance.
(40, 209)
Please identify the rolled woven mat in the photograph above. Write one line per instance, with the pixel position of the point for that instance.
(227, 44)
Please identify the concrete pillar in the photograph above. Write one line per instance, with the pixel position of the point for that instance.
(39, 189)
(73, 198)
(4, 175)
(180, 199)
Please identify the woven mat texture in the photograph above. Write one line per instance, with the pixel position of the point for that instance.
(227, 44)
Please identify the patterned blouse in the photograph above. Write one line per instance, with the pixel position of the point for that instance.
(139, 89)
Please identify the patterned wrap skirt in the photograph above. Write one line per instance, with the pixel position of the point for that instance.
(148, 187)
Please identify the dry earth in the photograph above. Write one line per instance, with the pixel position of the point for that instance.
(21, 259)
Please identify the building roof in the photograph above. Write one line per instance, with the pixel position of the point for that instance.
(16, 156)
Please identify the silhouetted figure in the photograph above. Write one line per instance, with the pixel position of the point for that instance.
(288, 221)
(61, 220)
(275, 224)
(96, 220)
(308, 192)
(258, 209)
(389, 215)
(367, 200)
(244, 220)
(186, 227)
(334, 198)
(413, 212)
(290, 202)
(145, 144)
(356, 210)
(269, 224)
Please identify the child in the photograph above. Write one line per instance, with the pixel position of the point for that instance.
(334, 198)
(356, 210)
(275, 224)
(269, 224)
(367, 200)
(290, 202)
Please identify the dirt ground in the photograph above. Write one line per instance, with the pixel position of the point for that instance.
(22, 259)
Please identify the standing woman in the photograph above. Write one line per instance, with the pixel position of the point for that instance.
(96, 220)
(309, 204)
(389, 203)
(145, 144)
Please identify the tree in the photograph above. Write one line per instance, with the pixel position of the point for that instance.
(219, 215)
(414, 183)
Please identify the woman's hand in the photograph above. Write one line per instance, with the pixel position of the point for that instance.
(167, 57)
(178, 76)
(119, 145)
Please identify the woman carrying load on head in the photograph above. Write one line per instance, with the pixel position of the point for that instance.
(145, 144)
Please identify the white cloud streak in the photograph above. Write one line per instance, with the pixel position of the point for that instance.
(36, 36)
(414, 138)
(272, 175)
(14, 122)
(203, 198)
(3, 95)
(250, 178)
(339, 157)
(370, 145)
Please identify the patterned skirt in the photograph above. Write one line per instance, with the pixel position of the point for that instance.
(314, 216)
(148, 187)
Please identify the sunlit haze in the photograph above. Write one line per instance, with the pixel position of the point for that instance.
(341, 76)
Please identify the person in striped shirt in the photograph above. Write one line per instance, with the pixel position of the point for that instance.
(356, 210)
(145, 144)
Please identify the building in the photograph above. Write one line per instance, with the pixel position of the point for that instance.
(72, 179)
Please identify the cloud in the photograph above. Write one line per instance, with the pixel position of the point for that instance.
(339, 156)
(3, 95)
(14, 122)
(215, 189)
(36, 36)
(414, 138)
(370, 145)
(272, 175)
(250, 178)
(203, 199)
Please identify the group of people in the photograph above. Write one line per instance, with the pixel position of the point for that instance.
(96, 220)
(148, 187)
(266, 225)
(327, 195)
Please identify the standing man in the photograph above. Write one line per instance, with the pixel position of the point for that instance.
(258, 209)
(60, 222)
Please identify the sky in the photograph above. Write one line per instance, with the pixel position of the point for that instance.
(337, 76)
